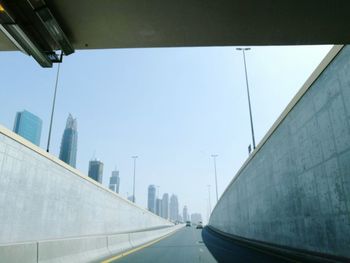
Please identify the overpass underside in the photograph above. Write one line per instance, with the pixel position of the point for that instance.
(103, 24)
(43, 28)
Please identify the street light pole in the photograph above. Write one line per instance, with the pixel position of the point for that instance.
(53, 108)
(133, 190)
(246, 79)
(216, 178)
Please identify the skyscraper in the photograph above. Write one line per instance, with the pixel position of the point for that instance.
(152, 198)
(28, 126)
(165, 206)
(159, 206)
(114, 181)
(185, 214)
(174, 208)
(96, 170)
(69, 143)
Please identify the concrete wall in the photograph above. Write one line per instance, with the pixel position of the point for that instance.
(42, 198)
(294, 190)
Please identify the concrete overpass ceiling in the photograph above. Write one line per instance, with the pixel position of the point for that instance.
(91, 24)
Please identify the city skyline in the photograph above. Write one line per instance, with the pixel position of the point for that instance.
(160, 113)
(68, 152)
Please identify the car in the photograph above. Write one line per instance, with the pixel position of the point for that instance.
(199, 225)
(188, 223)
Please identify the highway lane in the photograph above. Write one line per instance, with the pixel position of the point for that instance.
(187, 246)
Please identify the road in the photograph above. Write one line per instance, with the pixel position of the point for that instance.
(187, 246)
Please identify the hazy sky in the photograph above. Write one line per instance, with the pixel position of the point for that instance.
(171, 107)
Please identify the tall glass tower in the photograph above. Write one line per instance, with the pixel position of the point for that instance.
(69, 144)
(174, 208)
(185, 214)
(96, 170)
(165, 206)
(28, 126)
(114, 181)
(152, 198)
(158, 206)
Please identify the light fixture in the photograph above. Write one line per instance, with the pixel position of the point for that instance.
(23, 42)
(7, 34)
(54, 30)
(41, 41)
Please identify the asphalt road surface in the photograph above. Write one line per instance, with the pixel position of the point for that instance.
(187, 246)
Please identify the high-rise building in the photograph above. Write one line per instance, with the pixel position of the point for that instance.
(131, 198)
(174, 208)
(185, 214)
(69, 143)
(159, 206)
(114, 181)
(196, 217)
(96, 170)
(152, 198)
(165, 206)
(28, 126)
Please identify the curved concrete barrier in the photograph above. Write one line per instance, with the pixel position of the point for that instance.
(13, 253)
(140, 238)
(118, 243)
(82, 249)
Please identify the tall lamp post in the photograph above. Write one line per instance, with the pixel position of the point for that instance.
(53, 108)
(246, 79)
(133, 187)
(216, 178)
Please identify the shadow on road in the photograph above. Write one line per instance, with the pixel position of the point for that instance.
(226, 250)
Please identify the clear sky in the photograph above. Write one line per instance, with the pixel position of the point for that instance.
(173, 107)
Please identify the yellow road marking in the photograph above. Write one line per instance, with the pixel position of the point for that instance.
(138, 248)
